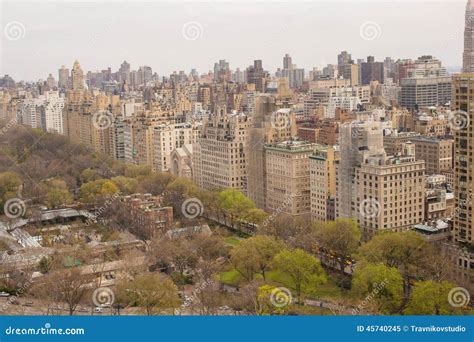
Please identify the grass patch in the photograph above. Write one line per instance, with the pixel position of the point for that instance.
(328, 290)
(231, 277)
(232, 240)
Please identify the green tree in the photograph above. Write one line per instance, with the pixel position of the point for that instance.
(255, 255)
(303, 268)
(255, 216)
(58, 194)
(10, 183)
(96, 191)
(431, 298)
(235, 205)
(155, 183)
(153, 292)
(272, 301)
(406, 251)
(177, 191)
(339, 238)
(126, 185)
(379, 285)
(89, 175)
(45, 265)
(134, 171)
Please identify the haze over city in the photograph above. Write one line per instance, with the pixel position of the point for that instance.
(143, 33)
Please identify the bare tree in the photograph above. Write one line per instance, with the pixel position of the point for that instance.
(67, 286)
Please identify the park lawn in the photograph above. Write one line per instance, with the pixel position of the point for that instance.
(232, 241)
(327, 290)
(231, 277)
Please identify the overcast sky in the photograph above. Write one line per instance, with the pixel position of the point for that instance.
(38, 37)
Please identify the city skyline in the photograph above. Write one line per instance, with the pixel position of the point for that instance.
(49, 34)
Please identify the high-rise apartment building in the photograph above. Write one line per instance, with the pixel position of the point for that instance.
(437, 153)
(170, 137)
(468, 54)
(63, 77)
(358, 140)
(427, 84)
(463, 166)
(52, 111)
(269, 109)
(323, 182)
(288, 177)
(256, 75)
(222, 71)
(372, 71)
(287, 62)
(390, 192)
(77, 77)
(219, 158)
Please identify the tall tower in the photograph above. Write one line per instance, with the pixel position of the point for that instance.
(463, 169)
(63, 80)
(77, 77)
(287, 63)
(468, 55)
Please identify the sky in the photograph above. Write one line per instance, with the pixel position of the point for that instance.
(38, 37)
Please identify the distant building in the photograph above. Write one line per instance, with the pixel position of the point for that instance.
(427, 84)
(372, 71)
(468, 53)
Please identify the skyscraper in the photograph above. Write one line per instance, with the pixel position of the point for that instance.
(468, 55)
(372, 71)
(463, 169)
(77, 76)
(63, 80)
(287, 63)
